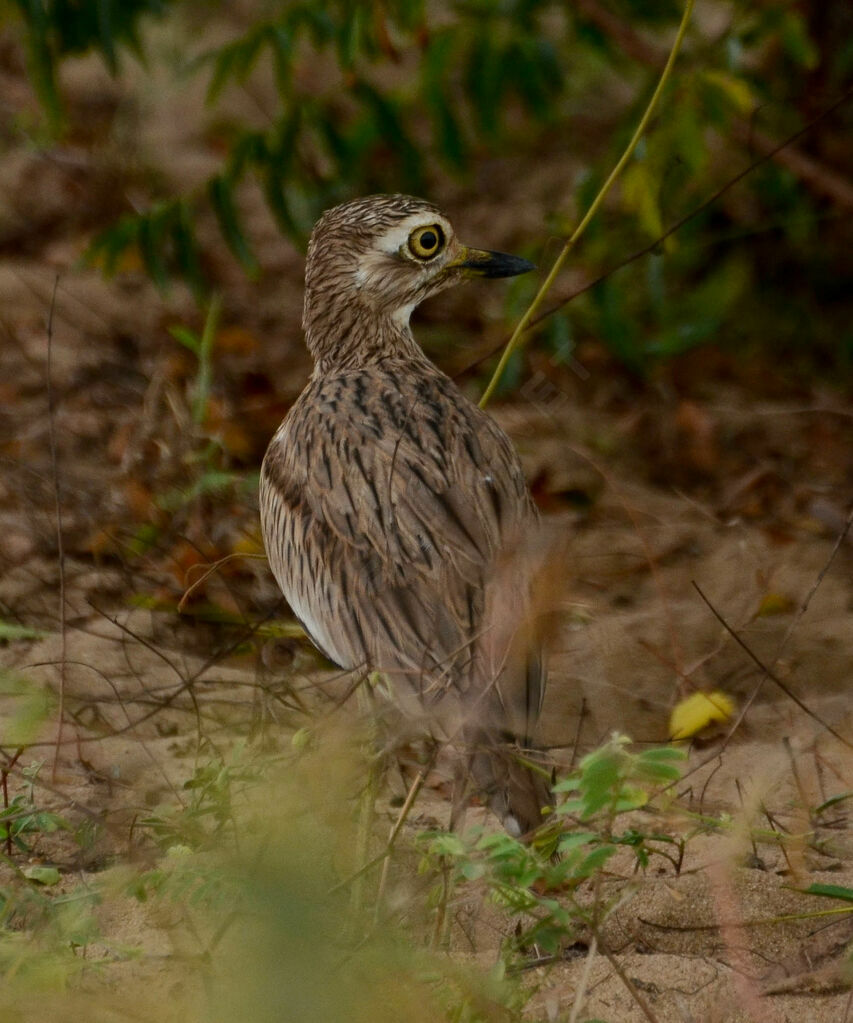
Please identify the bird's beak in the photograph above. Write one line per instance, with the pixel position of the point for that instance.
(482, 263)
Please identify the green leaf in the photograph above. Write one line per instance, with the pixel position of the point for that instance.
(188, 338)
(108, 247)
(833, 801)
(281, 41)
(658, 753)
(185, 249)
(40, 58)
(389, 127)
(220, 192)
(437, 61)
(29, 706)
(235, 60)
(830, 891)
(150, 237)
(42, 875)
(447, 844)
(11, 631)
(630, 797)
(796, 41)
(573, 841)
(485, 83)
(277, 201)
(736, 90)
(595, 860)
(640, 187)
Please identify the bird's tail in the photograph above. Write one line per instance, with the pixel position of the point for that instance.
(502, 716)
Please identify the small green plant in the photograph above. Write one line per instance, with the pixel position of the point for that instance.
(201, 345)
(23, 822)
(543, 881)
(207, 815)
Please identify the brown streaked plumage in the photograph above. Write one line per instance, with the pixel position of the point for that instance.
(391, 504)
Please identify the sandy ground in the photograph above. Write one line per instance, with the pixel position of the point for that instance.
(661, 490)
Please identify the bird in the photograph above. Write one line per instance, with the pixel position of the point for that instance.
(395, 512)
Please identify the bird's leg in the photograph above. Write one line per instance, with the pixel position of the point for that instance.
(367, 800)
(460, 793)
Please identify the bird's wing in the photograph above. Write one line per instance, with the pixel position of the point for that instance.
(387, 498)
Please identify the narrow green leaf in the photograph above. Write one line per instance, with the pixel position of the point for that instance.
(188, 338)
(151, 238)
(106, 33)
(281, 41)
(11, 631)
(830, 891)
(222, 200)
(185, 249)
(390, 129)
(40, 59)
(833, 801)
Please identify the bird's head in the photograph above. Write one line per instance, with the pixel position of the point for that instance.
(381, 256)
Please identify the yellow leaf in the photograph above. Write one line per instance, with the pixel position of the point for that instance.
(698, 711)
(775, 604)
(736, 90)
(249, 543)
(639, 193)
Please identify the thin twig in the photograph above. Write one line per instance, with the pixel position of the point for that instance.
(209, 570)
(4, 778)
(766, 670)
(60, 548)
(801, 610)
(644, 1006)
(591, 212)
(583, 983)
(655, 245)
(405, 810)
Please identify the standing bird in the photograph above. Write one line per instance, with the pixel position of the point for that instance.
(394, 510)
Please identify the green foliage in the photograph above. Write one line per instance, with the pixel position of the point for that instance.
(206, 816)
(612, 780)
(55, 29)
(164, 238)
(542, 881)
(11, 631)
(394, 97)
(23, 822)
(246, 880)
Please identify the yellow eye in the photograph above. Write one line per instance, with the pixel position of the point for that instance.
(426, 242)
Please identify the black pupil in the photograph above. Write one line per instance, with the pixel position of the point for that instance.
(429, 240)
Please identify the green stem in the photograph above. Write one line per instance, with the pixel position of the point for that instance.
(531, 310)
(204, 376)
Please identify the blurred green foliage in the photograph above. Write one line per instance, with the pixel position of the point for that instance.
(55, 29)
(399, 95)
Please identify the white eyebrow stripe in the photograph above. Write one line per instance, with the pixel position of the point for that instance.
(396, 237)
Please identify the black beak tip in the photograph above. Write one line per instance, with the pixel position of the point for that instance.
(499, 264)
